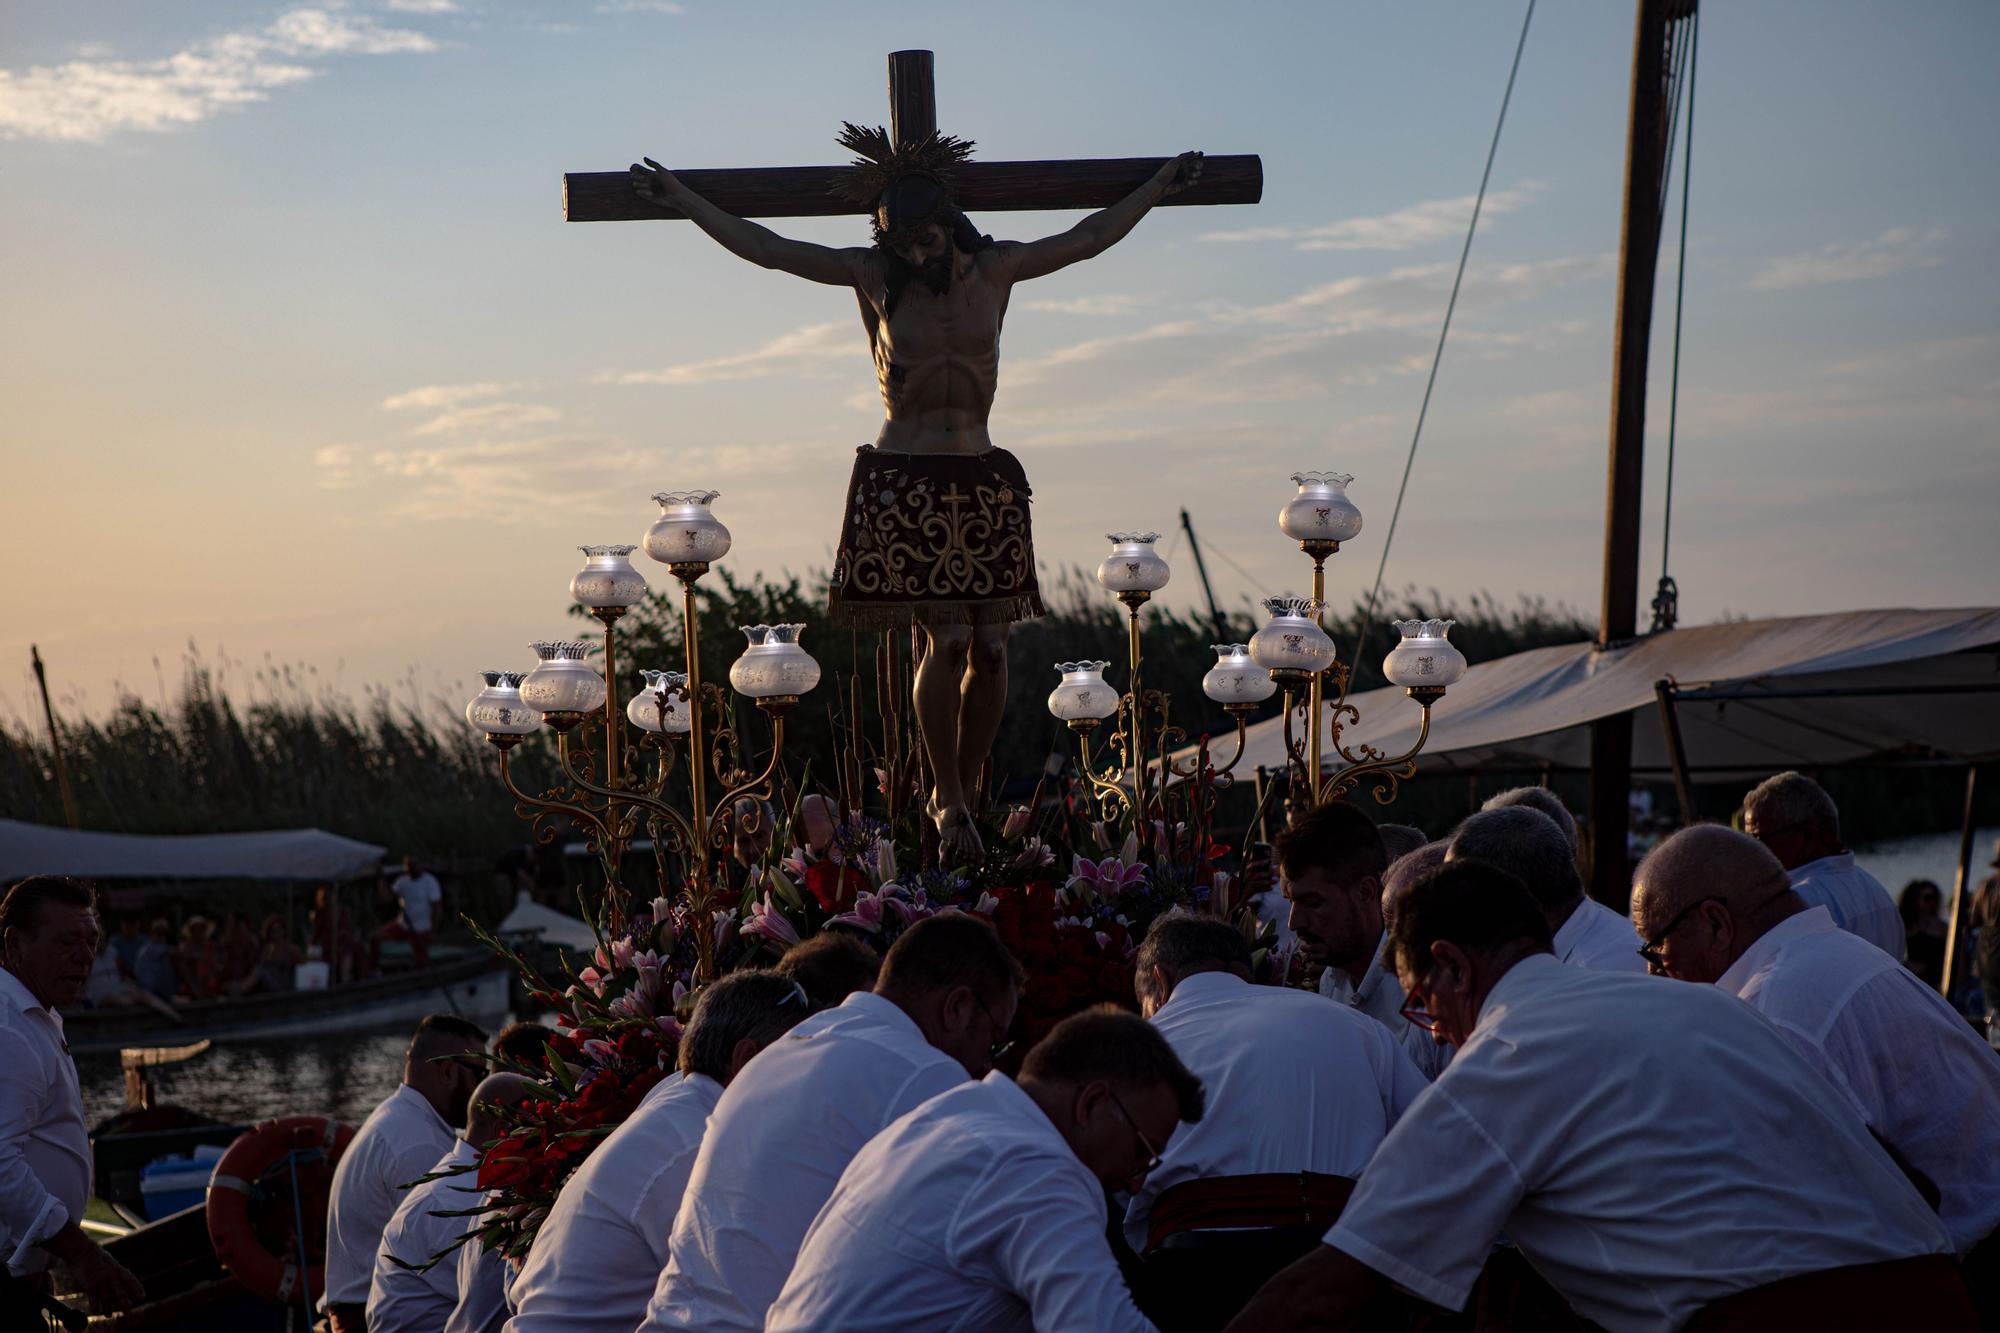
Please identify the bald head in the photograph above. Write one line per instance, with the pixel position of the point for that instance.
(1537, 798)
(1705, 895)
(495, 1093)
(1404, 872)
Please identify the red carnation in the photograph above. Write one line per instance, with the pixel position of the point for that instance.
(835, 885)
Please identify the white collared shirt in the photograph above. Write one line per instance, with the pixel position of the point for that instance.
(1293, 1085)
(1651, 1146)
(401, 1300)
(400, 1141)
(970, 1213)
(1917, 1072)
(44, 1142)
(604, 1245)
(1854, 898)
(1380, 996)
(482, 1286)
(1596, 937)
(782, 1133)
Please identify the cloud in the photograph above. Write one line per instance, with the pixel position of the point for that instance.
(1094, 348)
(421, 6)
(88, 100)
(1894, 251)
(639, 7)
(1419, 224)
(1087, 305)
(799, 351)
(489, 416)
(431, 397)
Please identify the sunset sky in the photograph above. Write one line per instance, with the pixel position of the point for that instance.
(300, 362)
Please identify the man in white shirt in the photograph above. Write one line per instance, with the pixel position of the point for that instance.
(788, 1126)
(1794, 817)
(1715, 906)
(1659, 1153)
(604, 1244)
(417, 898)
(48, 940)
(1537, 798)
(984, 1207)
(1528, 844)
(407, 1292)
(1299, 1095)
(401, 1140)
(1330, 864)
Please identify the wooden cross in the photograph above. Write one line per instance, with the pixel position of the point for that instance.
(793, 192)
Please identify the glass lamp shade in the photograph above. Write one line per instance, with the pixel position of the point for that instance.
(1083, 694)
(1425, 659)
(1292, 639)
(607, 578)
(1133, 565)
(662, 687)
(685, 532)
(497, 710)
(1321, 510)
(773, 666)
(1236, 678)
(563, 682)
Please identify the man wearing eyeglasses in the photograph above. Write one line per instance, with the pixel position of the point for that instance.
(984, 1208)
(789, 1125)
(1794, 817)
(1715, 906)
(1300, 1093)
(1659, 1153)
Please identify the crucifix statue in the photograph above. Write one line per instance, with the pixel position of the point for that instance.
(936, 531)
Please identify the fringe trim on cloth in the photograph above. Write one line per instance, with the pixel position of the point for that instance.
(875, 616)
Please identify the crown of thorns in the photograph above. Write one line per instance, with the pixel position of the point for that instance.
(878, 163)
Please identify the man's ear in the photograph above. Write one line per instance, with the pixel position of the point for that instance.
(1163, 982)
(956, 1008)
(739, 1055)
(1454, 964)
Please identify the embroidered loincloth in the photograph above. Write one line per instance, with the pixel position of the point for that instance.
(938, 539)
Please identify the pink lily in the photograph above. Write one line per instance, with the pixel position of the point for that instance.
(723, 921)
(1105, 879)
(621, 955)
(987, 904)
(648, 964)
(593, 979)
(866, 914)
(632, 1004)
(1016, 823)
(767, 920)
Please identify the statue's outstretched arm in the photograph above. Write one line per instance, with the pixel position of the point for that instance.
(1105, 228)
(746, 239)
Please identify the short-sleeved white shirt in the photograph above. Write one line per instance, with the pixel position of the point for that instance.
(781, 1134)
(604, 1244)
(1293, 1084)
(1649, 1145)
(1917, 1072)
(1596, 937)
(400, 1299)
(970, 1213)
(44, 1143)
(1380, 996)
(1854, 898)
(402, 1139)
(420, 896)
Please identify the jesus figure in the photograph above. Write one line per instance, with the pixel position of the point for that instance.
(936, 528)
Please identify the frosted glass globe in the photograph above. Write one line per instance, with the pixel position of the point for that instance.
(685, 532)
(662, 687)
(773, 666)
(1236, 678)
(607, 578)
(1321, 510)
(1425, 659)
(1292, 639)
(562, 681)
(1083, 694)
(1133, 565)
(497, 709)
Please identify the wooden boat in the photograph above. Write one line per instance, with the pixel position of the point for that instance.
(475, 985)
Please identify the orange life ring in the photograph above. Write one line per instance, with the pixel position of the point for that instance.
(253, 1218)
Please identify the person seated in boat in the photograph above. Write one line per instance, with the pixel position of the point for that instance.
(196, 963)
(1529, 844)
(107, 987)
(407, 1293)
(131, 938)
(156, 968)
(330, 929)
(400, 1141)
(604, 1244)
(236, 954)
(1715, 906)
(1300, 1093)
(418, 898)
(984, 1207)
(277, 959)
(1662, 1155)
(1924, 930)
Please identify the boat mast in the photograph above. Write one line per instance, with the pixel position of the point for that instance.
(55, 737)
(1638, 262)
(1201, 568)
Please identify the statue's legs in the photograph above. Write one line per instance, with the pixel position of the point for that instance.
(937, 698)
(982, 702)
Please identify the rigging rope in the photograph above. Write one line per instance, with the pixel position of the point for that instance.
(1666, 599)
(1479, 201)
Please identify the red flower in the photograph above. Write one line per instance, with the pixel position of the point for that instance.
(498, 1170)
(835, 885)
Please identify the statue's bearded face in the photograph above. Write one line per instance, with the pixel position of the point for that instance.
(927, 251)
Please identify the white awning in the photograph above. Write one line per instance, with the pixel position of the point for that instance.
(1751, 697)
(555, 927)
(282, 854)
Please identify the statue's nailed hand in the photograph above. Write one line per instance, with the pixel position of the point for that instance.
(1181, 173)
(654, 183)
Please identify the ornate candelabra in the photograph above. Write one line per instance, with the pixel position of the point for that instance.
(1291, 652)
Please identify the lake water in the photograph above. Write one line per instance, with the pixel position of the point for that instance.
(346, 1074)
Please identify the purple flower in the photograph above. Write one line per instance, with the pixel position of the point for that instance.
(866, 914)
(633, 1004)
(723, 921)
(648, 985)
(1104, 879)
(621, 955)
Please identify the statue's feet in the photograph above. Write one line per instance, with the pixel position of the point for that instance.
(958, 836)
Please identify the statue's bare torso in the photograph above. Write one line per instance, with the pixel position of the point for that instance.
(937, 356)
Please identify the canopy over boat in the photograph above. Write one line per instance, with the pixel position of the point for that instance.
(1750, 697)
(279, 854)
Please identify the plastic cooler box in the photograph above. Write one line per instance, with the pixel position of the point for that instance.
(171, 1184)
